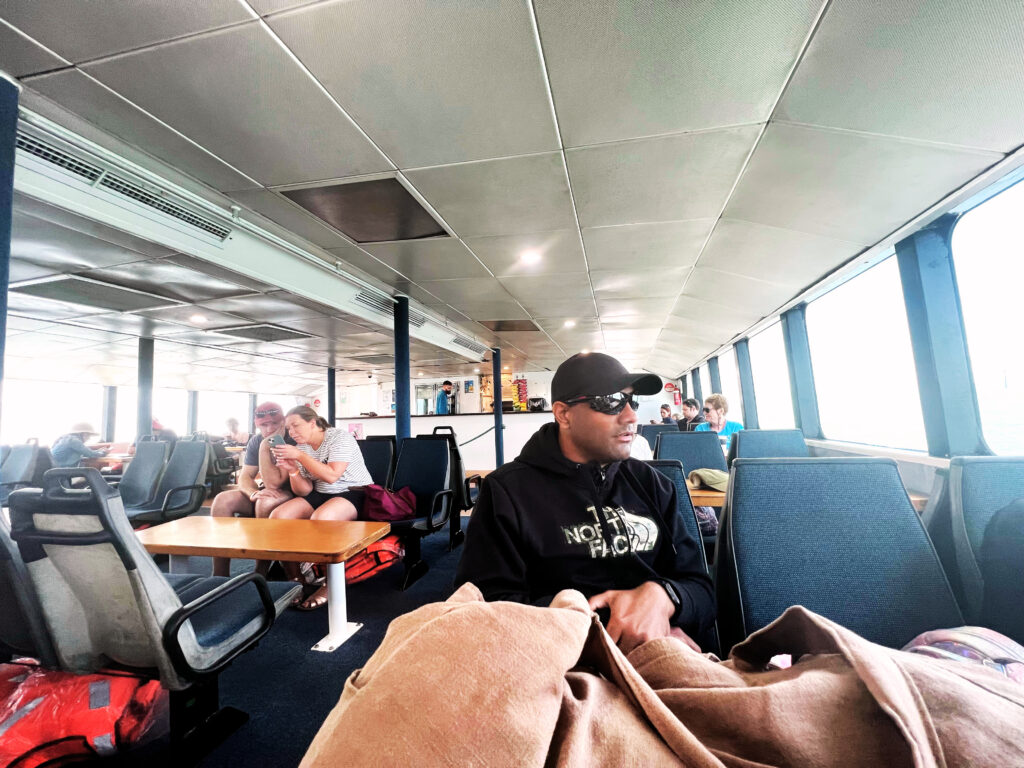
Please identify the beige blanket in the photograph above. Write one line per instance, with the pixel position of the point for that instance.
(469, 683)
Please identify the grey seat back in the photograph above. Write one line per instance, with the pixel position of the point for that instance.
(379, 457)
(696, 450)
(5, 451)
(19, 470)
(979, 486)
(141, 476)
(22, 629)
(186, 467)
(103, 598)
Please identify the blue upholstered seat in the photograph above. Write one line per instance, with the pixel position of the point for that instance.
(379, 457)
(182, 486)
(696, 450)
(836, 535)
(651, 432)
(139, 482)
(24, 468)
(767, 444)
(979, 486)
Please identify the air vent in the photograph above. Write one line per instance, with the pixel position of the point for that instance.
(140, 195)
(386, 307)
(264, 332)
(52, 155)
(469, 344)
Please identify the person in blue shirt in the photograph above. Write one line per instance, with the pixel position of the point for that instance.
(444, 399)
(715, 408)
(70, 449)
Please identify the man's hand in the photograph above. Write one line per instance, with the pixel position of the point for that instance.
(639, 615)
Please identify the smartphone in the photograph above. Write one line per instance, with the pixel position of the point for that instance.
(274, 441)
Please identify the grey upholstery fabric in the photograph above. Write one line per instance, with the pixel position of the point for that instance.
(22, 629)
(141, 476)
(186, 467)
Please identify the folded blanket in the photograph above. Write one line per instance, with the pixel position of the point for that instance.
(715, 479)
(471, 683)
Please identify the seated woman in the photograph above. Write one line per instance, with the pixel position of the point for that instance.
(322, 467)
(715, 408)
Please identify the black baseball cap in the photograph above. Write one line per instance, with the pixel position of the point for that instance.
(594, 373)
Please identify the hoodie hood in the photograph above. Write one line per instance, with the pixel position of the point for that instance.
(543, 452)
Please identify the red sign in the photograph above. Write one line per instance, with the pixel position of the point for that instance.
(316, 403)
(670, 387)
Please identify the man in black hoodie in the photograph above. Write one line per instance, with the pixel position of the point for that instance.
(573, 511)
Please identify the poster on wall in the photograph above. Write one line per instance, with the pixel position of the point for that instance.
(356, 429)
(469, 386)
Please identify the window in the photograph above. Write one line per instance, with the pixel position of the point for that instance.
(46, 410)
(863, 362)
(771, 379)
(126, 415)
(730, 376)
(215, 408)
(705, 381)
(170, 408)
(989, 261)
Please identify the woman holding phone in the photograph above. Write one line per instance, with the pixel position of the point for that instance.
(323, 468)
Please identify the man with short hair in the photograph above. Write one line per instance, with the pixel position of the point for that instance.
(444, 399)
(691, 415)
(574, 511)
(249, 500)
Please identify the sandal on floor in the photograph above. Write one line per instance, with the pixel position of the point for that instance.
(317, 600)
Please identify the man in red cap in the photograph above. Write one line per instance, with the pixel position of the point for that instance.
(574, 511)
(249, 499)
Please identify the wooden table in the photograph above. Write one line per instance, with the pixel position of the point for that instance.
(110, 460)
(481, 472)
(319, 541)
(705, 497)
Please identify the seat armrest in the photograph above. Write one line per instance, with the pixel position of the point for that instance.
(183, 614)
(194, 489)
(472, 480)
(435, 505)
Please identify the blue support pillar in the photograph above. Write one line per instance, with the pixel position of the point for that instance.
(684, 389)
(750, 420)
(714, 375)
(109, 414)
(144, 422)
(499, 428)
(192, 414)
(801, 373)
(403, 404)
(331, 403)
(949, 402)
(698, 394)
(8, 130)
(252, 413)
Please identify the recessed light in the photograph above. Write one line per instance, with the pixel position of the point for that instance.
(421, 373)
(197, 318)
(530, 257)
(585, 351)
(476, 370)
(570, 323)
(506, 368)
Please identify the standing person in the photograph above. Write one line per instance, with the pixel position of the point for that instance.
(715, 408)
(444, 399)
(691, 416)
(574, 511)
(322, 468)
(70, 449)
(249, 500)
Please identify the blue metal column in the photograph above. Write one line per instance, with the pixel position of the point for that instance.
(331, 404)
(499, 428)
(144, 422)
(949, 402)
(746, 384)
(252, 413)
(684, 386)
(109, 414)
(403, 405)
(714, 375)
(8, 131)
(801, 372)
(192, 417)
(698, 394)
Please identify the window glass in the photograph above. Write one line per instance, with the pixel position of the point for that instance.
(705, 381)
(46, 410)
(771, 379)
(126, 414)
(863, 363)
(989, 259)
(170, 408)
(729, 373)
(215, 408)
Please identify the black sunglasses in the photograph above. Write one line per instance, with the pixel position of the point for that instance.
(706, 409)
(261, 414)
(611, 404)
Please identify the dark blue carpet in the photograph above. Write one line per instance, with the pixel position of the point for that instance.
(288, 689)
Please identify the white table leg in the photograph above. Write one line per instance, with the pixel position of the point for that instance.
(179, 564)
(340, 628)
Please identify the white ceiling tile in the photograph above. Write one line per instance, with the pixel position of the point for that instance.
(778, 255)
(468, 290)
(511, 196)
(264, 7)
(621, 70)
(277, 308)
(327, 327)
(20, 56)
(45, 309)
(432, 83)
(542, 287)
(488, 310)
(559, 307)
(638, 283)
(560, 252)
(946, 72)
(434, 259)
(368, 264)
(55, 249)
(736, 291)
(290, 216)
(183, 315)
(220, 273)
(646, 246)
(846, 186)
(79, 31)
(238, 94)
(76, 91)
(163, 278)
(557, 329)
(633, 311)
(670, 178)
(137, 325)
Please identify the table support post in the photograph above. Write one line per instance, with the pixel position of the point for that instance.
(339, 628)
(178, 564)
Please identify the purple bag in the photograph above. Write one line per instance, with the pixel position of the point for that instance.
(388, 506)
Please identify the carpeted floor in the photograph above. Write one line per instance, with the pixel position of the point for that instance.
(288, 689)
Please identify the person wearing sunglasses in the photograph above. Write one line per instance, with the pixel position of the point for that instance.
(249, 499)
(574, 511)
(715, 409)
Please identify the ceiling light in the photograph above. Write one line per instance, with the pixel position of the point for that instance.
(476, 370)
(530, 257)
(197, 318)
(570, 323)
(421, 373)
(506, 368)
(585, 351)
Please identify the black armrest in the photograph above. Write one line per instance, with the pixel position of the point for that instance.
(183, 614)
(435, 506)
(470, 482)
(166, 507)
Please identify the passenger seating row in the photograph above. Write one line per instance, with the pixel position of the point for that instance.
(155, 489)
(23, 466)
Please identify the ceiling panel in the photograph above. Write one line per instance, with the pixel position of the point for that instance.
(368, 264)
(516, 195)
(218, 273)
(429, 259)
(736, 290)
(106, 28)
(470, 290)
(432, 83)
(290, 216)
(183, 315)
(560, 307)
(541, 287)
(487, 310)
(560, 253)
(80, 93)
(264, 7)
(20, 56)
(670, 178)
(637, 284)
(278, 307)
(846, 186)
(619, 70)
(58, 249)
(557, 329)
(238, 94)
(45, 309)
(137, 325)
(646, 246)
(166, 279)
(778, 255)
(328, 327)
(945, 72)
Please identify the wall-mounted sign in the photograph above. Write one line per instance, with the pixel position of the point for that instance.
(670, 387)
